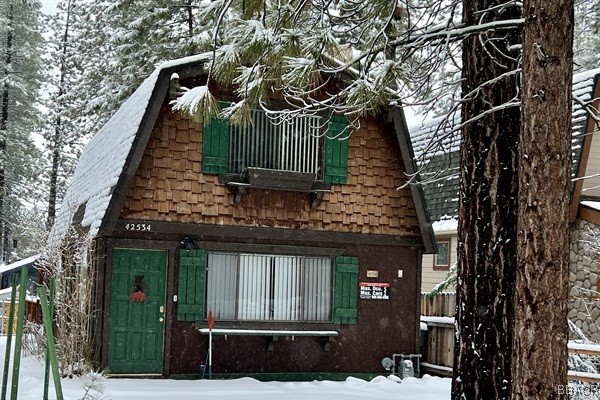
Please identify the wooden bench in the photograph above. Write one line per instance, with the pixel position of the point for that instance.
(274, 334)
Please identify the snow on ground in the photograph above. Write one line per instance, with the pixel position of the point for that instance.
(31, 381)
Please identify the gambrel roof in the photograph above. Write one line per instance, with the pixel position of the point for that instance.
(440, 164)
(108, 163)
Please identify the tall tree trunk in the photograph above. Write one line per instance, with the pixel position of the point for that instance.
(58, 138)
(488, 208)
(5, 250)
(542, 280)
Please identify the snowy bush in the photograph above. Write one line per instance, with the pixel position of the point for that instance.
(74, 316)
(94, 385)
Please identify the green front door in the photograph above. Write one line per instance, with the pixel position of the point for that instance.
(136, 323)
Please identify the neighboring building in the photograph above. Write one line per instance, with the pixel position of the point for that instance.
(440, 173)
(300, 244)
(13, 270)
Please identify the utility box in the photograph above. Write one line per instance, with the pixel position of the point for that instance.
(407, 369)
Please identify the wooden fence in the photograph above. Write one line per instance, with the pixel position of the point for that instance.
(437, 312)
(439, 305)
(32, 313)
(438, 350)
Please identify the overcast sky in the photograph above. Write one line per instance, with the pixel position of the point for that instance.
(49, 6)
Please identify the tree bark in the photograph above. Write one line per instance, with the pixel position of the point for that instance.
(542, 280)
(488, 209)
(5, 249)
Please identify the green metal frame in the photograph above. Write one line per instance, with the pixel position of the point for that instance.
(14, 387)
(52, 284)
(50, 345)
(11, 317)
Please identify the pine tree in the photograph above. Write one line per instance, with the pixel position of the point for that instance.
(542, 274)
(121, 42)
(488, 208)
(63, 131)
(20, 43)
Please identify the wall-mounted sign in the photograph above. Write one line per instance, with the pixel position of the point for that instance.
(371, 273)
(374, 290)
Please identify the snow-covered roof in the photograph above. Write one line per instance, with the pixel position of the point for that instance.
(592, 204)
(449, 224)
(439, 159)
(104, 158)
(583, 89)
(425, 135)
(20, 263)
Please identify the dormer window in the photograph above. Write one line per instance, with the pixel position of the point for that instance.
(278, 151)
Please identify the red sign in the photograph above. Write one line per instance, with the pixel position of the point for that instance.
(374, 290)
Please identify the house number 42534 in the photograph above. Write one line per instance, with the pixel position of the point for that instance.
(137, 227)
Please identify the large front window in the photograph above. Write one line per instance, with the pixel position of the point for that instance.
(278, 142)
(256, 287)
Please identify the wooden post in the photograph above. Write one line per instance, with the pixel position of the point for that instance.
(14, 387)
(52, 283)
(51, 346)
(11, 317)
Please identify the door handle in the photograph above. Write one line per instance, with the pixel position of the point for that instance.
(161, 309)
(161, 319)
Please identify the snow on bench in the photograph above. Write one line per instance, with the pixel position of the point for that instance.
(267, 332)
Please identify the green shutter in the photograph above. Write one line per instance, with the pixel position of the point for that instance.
(346, 290)
(190, 297)
(215, 146)
(336, 150)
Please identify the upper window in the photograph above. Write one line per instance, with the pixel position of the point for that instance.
(255, 287)
(298, 147)
(275, 142)
(442, 258)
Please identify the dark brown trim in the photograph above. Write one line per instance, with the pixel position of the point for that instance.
(203, 232)
(585, 153)
(396, 116)
(168, 315)
(271, 249)
(106, 306)
(417, 296)
(589, 214)
(141, 244)
(99, 259)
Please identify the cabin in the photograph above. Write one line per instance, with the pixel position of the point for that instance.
(441, 188)
(289, 233)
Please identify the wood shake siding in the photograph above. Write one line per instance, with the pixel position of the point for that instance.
(169, 186)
